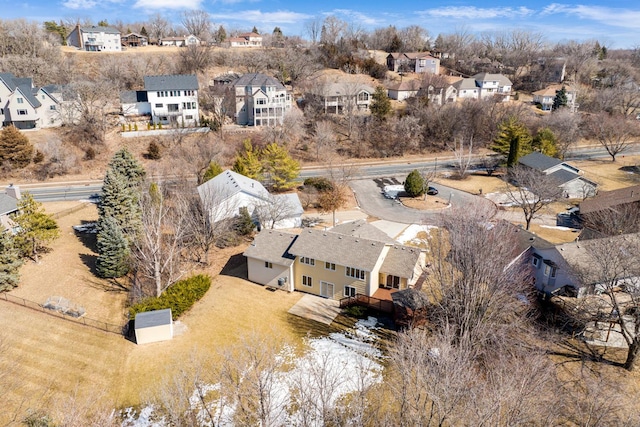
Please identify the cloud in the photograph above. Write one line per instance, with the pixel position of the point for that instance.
(356, 16)
(79, 4)
(472, 12)
(614, 17)
(165, 4)
(278, 17)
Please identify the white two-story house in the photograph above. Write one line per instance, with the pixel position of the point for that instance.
(546, 96)
(26, 106)
(168, 99)
(95, 39)
(260, 100)
(246, 40)
(483, 86)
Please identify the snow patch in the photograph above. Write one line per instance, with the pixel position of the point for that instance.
(409, 235)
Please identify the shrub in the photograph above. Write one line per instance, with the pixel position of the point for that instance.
(90, 154)
(319, 183)
(179, 297)
(356, 311)
(153, 151)
(39, 157)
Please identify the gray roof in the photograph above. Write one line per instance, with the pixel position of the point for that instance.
(338, 248)
(258, 79)
(99, 29)
(466, 84)
(609, 199)
(410, 298)
(484, 77)
(229, 183)
(7, 204)
(149, 319)
(27, 92)
(292, 201)
(562, 176)
(341, 89)
(272, 246)
(132, 96)
(362, 228)
(539, 161)
(171, 82)
(400, 261)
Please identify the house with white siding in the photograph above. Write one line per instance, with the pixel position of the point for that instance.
(246, 40)
(568, 178)
(95, 39)
(259, 100)
(26, 106)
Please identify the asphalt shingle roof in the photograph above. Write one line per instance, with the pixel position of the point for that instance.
(272, 246)
(539, 161)
(7, 204)
(229, 183)
(400, 261)
(608, 199)
(99, 29)
(171, 82)
(362, 228)
(562, 176)
(258, 79)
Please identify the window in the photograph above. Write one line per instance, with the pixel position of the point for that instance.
(172, 108)
(189, 105)
(393, 282)
(307, 281)
(52, 107)
(268, 264)
(189, 93)
(174, 93)
(355, 273)
(349, 291)
(22, 112)
(163, 94)
(535, 261)
(307, 260)
(261, 101)
(547, 270)
(188, 117)
(553, 272)
(20, 100)
(159, 105)
(330, 266)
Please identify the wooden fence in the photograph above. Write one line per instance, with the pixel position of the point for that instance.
(85, 321)
(384, 306)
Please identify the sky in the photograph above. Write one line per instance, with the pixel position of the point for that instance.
(614, 23)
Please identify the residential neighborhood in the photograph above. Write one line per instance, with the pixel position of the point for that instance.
(236, 218)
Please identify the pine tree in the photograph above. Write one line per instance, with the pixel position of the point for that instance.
(36, 227)
(513, 140)
(143, 32)
(153, 151)
(113, 250)
(414, 184)
(380, 104)
(255, 30)
(546, 142)
(279, 168)
(560, 100)
(120, 202)
(15, 148)
(212, 171)
(10, 262)
(126, 165)
(247, 162)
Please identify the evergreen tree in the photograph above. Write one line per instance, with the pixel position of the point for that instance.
(113, 250)
(126, 165)
(103, 23)
(414, 184)
(15, 148)
(560, 100)
(278, 167)
(244, 225)
(255, 30)
(396, 43)
(221, 34)
(380, 104)
(143, 32)
(153, 151)
(212, 171)
(546, 142)
(10, 262)
(120, 202)
(247, 162)
(513, 140)
(36, 227)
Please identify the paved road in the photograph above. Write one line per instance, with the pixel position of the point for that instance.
(370, 198)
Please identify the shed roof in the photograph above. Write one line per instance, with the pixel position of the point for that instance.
(272, 246)
(171, 82)
(132, 96)
(149, 319)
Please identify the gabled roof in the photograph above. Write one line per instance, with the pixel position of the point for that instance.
(229, 183)
(551, 90)
(258, 79)
(292, 201)
(247, 35)
(539, 161)
(362, 228)
(501, 79)
(341, 89)
(400, 261)
(98, 29)
(466, 83)
(135, 34)
(26, 91)
(405, 85)
(171, 82)
(133, 96)
(338, 248)
(610, 199)
(563, 176)
(272, 246)
(7, 204)
(13, 82)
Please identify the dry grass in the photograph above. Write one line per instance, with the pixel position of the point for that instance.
(474, 183)
(430, 203)
(608, 174)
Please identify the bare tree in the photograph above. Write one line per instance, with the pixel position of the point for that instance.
(622, 219)
(197, 22)
(158, 27)
(313, 28)
(275, 209)
(614, 133)
(194, 59)
(531, 190)
(566, 126)
(463, 153)
(324, 138)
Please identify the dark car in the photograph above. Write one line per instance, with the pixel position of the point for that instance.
(432, 191)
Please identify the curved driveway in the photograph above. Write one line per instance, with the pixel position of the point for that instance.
(373, 202)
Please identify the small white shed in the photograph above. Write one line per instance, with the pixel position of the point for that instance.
(154, 326)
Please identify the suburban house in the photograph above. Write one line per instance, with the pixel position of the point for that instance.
(441, 93)
(546, 96)
(179, 41)
(225, 195)
(403, 90)
(610, 210)
(134, 40)
(260, 100)
(484, 85)
(340, 98)
(569, 178)
(26, 106)
(413, 62)
(331, 264)
(168, 99)
(246, 40)
(95, 39)
(566, 268)
(9, 207)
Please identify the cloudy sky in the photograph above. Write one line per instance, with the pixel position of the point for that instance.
(615, 23)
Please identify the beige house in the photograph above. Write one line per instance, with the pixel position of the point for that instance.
(545, 96)
(333, 264)
(246, 40)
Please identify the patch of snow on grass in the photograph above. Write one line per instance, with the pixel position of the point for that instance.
(409, 235)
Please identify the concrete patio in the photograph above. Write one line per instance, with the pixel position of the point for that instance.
(316, 308)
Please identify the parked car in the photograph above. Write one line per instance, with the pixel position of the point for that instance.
(432, 191)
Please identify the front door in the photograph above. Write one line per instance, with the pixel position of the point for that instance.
(326, 289)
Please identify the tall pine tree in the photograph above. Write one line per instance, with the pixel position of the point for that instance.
(278, 167)
(15, 149)
(380, 104)
(513, 140)
(113, 250)
(560, 100)
(36, 227)
(10, 262)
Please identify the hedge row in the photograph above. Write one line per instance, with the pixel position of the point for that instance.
(179, 297)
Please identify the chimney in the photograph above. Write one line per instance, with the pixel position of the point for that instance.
(13, 191)
(80, 41)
